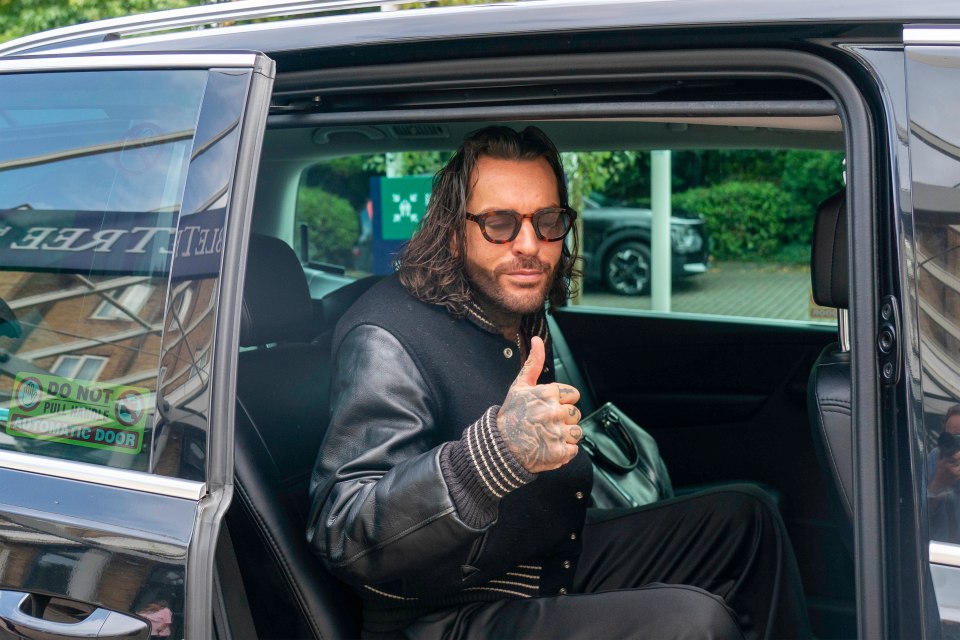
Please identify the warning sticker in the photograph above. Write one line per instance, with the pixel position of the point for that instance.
(78, 412)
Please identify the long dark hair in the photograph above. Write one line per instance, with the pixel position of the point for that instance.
(431, 265)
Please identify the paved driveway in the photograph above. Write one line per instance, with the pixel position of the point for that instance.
(758, 290)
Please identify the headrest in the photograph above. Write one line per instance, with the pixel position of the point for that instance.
(829, 273)
(334, 304)
(276, 297)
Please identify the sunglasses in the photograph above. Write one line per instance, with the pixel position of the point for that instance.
(500, 227)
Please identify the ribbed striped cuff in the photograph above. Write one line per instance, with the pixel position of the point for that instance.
(479, 470)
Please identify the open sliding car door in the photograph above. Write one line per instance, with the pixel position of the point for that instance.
(125, 194)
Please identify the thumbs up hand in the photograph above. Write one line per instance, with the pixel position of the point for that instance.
(539, 422)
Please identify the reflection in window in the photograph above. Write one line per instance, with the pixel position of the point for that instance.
(128, 301)
(78, 367)
(181, 303)
(53, 569)
(93, 167)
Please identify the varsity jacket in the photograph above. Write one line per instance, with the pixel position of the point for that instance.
(416, 501)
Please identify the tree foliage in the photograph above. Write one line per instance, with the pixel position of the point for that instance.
(751, 220)
(332, 224)
(759, 204)
(444, 3)
(23, 17)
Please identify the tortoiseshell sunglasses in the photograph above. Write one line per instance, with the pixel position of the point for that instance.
(502, 226)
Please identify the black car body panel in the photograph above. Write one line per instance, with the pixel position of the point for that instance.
(726, 397)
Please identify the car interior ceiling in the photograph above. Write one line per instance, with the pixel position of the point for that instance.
(821, 132)
(289, 149)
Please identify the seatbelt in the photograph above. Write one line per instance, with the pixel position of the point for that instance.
(566, 369)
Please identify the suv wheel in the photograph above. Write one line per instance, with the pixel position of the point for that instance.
(626, 269)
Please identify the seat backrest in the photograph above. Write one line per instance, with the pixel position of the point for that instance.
(282, 413)
(829, 390)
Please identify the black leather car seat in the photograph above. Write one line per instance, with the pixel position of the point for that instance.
(282, 413)
(829, 390)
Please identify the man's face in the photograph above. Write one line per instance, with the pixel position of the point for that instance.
(953, 425)
(512, 278)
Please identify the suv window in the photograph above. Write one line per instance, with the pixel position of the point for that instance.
(92, 172)
(740, 228)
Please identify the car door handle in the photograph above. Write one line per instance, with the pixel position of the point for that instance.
(102, 623)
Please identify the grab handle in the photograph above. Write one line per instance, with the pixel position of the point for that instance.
(101, 623)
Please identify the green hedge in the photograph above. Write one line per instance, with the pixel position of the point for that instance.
(333, 225)
(752, 221)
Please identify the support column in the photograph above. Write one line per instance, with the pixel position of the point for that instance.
(661, 268)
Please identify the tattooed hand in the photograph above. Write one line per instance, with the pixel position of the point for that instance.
(539, 422)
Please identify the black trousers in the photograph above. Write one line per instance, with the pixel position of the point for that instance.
(716, 564)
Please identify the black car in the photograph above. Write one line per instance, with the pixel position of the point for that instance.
(164, 366)
(616, 245)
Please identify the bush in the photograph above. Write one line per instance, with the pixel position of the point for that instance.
(812, 176)
(751, 220)
(332, 222)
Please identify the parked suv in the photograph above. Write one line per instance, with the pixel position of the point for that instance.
(616, 245)
(164, 367)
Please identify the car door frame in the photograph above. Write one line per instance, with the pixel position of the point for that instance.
(198, 506)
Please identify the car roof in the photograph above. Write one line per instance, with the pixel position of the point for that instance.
(325, 28)
(315, 30)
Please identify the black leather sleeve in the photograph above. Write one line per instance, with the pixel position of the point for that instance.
(381, 508)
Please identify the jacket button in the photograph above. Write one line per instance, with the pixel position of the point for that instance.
(563, 591)
(567, 564)
(508, 353)
(579, 495)
(573, 536)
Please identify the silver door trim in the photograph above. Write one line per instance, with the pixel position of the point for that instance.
(122, 478)
(931, 35)
(944, 553)
(129, 61)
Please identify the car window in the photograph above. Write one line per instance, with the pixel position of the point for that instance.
(740, 225)
(359, 210)
(739, 238)
(92, 173)
(936, 235)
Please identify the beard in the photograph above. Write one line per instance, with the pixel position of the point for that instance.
(503, 304)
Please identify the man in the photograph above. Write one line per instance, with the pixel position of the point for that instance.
(943, 489)
(451, 490)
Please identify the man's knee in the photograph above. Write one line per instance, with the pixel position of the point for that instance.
(696, 614)
(741, 503)
(677, 611)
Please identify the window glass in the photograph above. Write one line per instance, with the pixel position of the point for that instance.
(359, 210)
(932, 74)
(79, 367)
(124, 303)
(741, 222)
(92, 172)
(740, 226)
